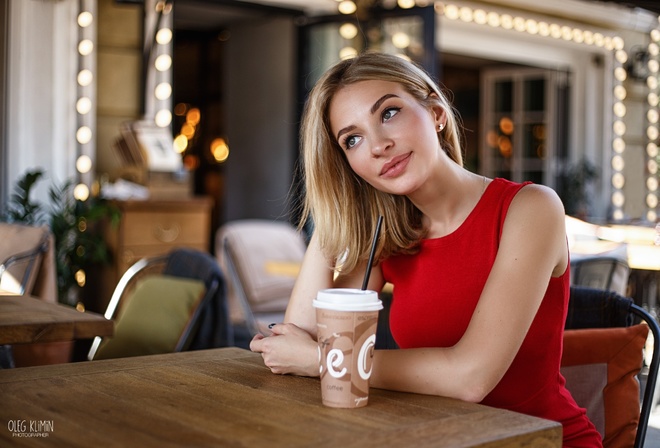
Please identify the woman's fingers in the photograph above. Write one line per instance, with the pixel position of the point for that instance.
(256, 344)
(289, 349)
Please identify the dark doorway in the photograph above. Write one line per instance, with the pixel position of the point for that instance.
(233, 83)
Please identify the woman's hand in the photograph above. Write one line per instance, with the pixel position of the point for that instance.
(289, 350)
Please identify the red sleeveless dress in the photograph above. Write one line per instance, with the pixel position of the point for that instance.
(436, 292)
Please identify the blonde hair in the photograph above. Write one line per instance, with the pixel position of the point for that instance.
(345, 208)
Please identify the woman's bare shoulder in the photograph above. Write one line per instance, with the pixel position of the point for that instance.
(538, 197)
(537, 205)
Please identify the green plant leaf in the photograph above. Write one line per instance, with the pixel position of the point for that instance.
(78, 241)
(21, 208)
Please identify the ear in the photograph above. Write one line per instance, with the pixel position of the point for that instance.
(437, 111)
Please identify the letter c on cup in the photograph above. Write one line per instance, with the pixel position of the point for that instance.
(363, 357)
(335, 359)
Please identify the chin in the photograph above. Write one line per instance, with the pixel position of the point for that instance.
(397, 191)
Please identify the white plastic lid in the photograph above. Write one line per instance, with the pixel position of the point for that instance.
(348, 299)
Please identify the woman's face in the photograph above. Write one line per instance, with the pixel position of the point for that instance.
(389, 138)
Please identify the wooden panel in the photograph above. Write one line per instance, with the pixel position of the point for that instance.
(150, 228)
(156, 228)
(120, 25)
(118, 95)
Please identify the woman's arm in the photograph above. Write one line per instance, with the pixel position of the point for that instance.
(292, 347)
(532, 249)
(316, 273)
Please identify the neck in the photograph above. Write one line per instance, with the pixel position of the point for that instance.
(447, 200)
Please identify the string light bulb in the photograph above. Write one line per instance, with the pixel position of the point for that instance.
(347, 7)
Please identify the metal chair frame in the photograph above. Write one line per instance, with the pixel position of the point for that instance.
(652, 377)
(31, 256)
(611, 263)
(237, 283)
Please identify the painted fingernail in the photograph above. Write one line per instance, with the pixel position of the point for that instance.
(271, 325)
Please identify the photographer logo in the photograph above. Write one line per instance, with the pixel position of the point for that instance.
(30, 428)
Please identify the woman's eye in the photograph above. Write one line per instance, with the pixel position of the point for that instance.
(351, 141)
(389, 113)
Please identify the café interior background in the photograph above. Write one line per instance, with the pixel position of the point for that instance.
(541, 87)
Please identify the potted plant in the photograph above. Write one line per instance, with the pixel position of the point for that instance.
(78, 241)
(573, 189)
(78, 245)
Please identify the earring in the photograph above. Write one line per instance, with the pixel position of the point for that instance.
(441, 127)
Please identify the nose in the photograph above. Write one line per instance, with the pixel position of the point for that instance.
(381, 144)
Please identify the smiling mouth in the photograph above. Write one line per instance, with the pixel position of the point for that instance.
(395, 166)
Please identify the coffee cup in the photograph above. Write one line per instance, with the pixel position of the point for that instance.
(346, 321)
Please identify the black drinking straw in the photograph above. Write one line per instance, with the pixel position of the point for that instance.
(371, 255)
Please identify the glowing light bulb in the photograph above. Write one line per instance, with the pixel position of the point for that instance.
(620, 92)
(347, 7)
(618, 145)
(618, 199)
(163, 118)
(163, 62)
(180, 143)
(406, 4)
(618, 163)
(81, 192)
(193, 116)
(220, 150)
(84, 135)
(164, 36)
(465, 14)
(619, 109)
(163, 91)
(621, 56)
(493, 19)
(85, 77)
(85, 47)
(84, 164)
(83, 105)
(480, 17)
(618, 181)
(85, 19)
(348, 31)
(347, 53)
(451, 12)
(401, 40)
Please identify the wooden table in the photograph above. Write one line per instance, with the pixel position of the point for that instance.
(25, 319)
(226, 397)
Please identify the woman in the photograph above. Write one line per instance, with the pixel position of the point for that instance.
(480, 267)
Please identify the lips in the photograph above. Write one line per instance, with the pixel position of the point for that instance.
(395, 166)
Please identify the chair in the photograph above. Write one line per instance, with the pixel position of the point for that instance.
(27, 266)
(188, 282)
(601, 272)
(22, 251)
(261, 259)
(603, 326)
(384, 338)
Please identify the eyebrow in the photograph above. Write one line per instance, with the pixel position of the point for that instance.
(377, 104)
(372, 111)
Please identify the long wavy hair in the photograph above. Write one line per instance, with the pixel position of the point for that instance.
(343, 207)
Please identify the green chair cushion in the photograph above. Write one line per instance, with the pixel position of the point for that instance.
(154, 317)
